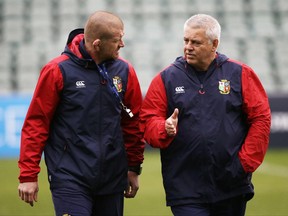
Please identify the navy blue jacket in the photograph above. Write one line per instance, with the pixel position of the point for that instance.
(201, 164)
(88, 140)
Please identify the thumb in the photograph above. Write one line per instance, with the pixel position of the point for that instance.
(175, 114)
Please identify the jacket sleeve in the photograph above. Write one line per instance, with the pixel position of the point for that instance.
(37, 122)
(256, 106)
(154, 114)
(133, 138)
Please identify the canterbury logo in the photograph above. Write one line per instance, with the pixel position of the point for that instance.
(179, 90)
(80, 84)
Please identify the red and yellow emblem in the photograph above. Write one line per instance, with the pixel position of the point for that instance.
(224, 86)
(117, 81)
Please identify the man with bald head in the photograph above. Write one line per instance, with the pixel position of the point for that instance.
(84, 116)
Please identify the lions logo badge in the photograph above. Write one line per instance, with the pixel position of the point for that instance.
(117, 81)
(224, 86)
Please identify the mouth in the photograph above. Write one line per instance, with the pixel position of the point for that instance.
(117, 52)
(190, 55)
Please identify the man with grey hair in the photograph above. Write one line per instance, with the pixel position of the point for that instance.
(210, 117)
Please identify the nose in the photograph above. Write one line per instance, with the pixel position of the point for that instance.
(122, 44)
(189, 46)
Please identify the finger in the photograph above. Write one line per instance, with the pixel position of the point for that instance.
(19, 192)
(35, 195)
(172, 133)
(170, 127)
(130, 193)
(175, 113)
(22, 195)
(127, 192)
(28, 197)
(169, 123)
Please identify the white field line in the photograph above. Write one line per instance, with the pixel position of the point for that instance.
(272, 169)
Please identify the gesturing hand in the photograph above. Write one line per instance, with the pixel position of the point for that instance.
(171, 123)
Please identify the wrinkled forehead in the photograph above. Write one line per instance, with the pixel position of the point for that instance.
(192, 31)
(113, 33)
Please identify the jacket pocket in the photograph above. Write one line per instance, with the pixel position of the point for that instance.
(231, 175)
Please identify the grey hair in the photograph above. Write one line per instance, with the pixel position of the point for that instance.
(207, 22)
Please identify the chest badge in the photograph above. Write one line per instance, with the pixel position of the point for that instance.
(80, 84)
(117, 81)
(224, 86)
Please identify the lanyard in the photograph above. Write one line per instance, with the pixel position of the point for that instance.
(103, 72)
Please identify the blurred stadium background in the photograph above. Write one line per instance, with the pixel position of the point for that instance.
(34, 31)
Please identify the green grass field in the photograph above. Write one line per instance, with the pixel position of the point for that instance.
(270, 181)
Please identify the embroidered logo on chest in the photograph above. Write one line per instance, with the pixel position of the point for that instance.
(80, 84)
(117, 81)
(179, 90)
(224, 86)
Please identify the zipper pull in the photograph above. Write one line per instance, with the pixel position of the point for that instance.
(201, 90)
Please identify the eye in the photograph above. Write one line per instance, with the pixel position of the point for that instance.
(117, 40)
(197, 43)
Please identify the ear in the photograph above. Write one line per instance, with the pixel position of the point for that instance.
(96, 44)
(215, 44)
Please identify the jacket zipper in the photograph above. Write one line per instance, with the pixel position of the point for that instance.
(201, 90)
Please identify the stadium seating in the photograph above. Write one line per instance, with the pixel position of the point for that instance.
(34, 31)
